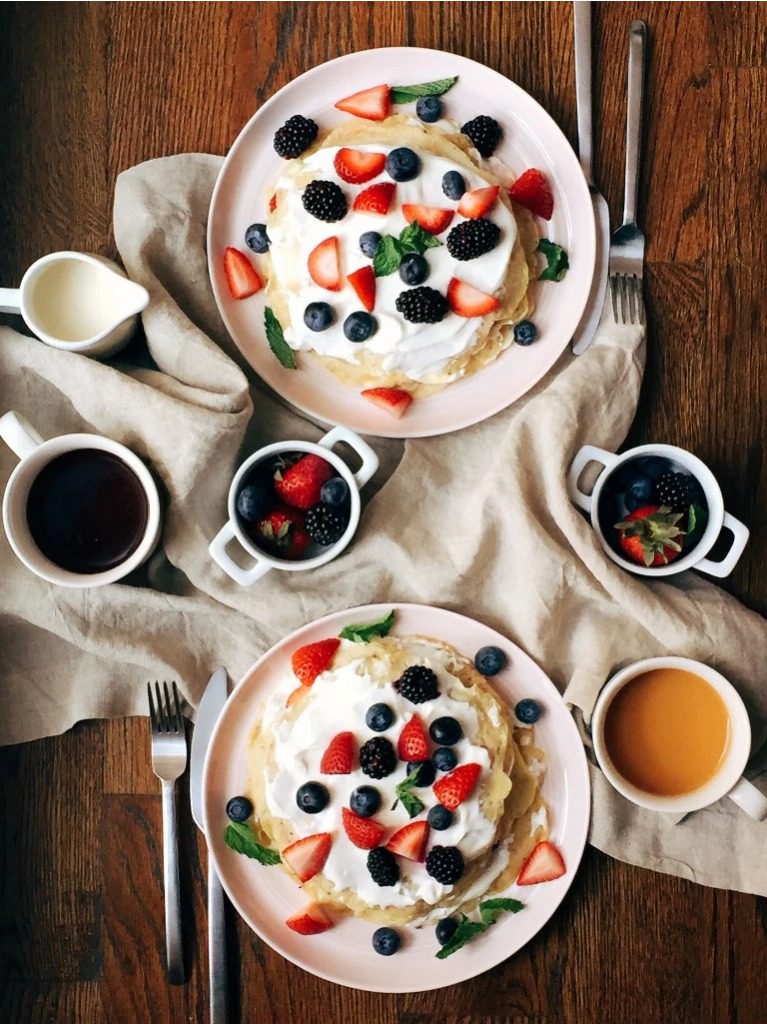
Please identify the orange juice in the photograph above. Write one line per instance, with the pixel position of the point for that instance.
(667, 731)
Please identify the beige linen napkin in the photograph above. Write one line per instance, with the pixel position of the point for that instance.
(477, 521)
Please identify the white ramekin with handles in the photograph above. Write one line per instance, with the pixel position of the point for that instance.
(263, 562)
(717, 517)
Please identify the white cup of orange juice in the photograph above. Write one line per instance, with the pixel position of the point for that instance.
(672, 734)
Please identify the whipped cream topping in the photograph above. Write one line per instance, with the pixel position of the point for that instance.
(420, 351)
(337, 702)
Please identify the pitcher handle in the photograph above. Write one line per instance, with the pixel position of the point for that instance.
(339, 435)
(749, 799)
(217, 551)
(740, 534)
(587, 454)
(20, 436)
(10, 300)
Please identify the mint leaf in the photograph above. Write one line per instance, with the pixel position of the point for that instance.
(276, 340)
(697, 518)
(388, 256)
(238, 837)
(408, 93)
(362, 632)
(413, 238)
(556, 261)
(468, 930)
(490, 909)
(410, 801)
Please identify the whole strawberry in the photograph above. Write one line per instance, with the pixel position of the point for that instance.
(650, 535)
(299, 485)
(283, 533)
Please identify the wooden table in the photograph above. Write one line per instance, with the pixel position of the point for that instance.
(90, 89)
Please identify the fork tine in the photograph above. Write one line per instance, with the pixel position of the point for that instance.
(152, 712)
(179, 717)
(161, 717)
(625, 314)
(614, 296)
(168, 712)
(630, 284)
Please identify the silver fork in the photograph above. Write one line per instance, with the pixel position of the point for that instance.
(626, 263)
(169, 754)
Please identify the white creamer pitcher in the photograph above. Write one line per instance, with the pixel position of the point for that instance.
(76, 301)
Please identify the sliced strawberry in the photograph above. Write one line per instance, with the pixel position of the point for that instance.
(431, 218)
(372, 104)
(295, 695)
(308, 661)
(533, 191)
(465, 300)
(413, 744)
(375, 199)
(325, 265)
(363, 281)
(273, 202)
(477, 202)
(543, 865)
(391, 400)
(338, 758)
(356, 166)
(241, 275)
(410, 841)
(310, 921)
(300, 485)
(363, 832)
(306, 857)
(452, 789)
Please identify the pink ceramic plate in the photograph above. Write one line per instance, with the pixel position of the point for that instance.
(266, 896)
(531, 139)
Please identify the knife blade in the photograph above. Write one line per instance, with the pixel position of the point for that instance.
(211, 705)
(586, 329)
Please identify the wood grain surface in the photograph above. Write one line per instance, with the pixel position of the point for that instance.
(87, 90)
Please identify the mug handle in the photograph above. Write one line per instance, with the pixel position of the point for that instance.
(10, 300)
(749, 799)
(20, 436)
(740, 535)
(370, 462)
(587, 454)
(217, 551)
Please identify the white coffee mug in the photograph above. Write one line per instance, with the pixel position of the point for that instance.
(718, 519)
(728, 781)
(263, 562)
(77, 301)
(35, 453)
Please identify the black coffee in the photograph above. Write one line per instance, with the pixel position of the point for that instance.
(87, 511)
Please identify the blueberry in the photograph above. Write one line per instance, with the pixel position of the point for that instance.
(256, 238)
(489, 660)
(445, 731)
(359, 326)
(525, 332)
(239, 808)
(365, 801)
(255, 496)
(653, 466)
(385, 941)
(335, 492)
(318, 316)
(424, 772)
(413, 269)
(445, 930)
(444, 759)
(312, 797)
(369, 242)
(379, 717)
(403, 164)
(439, 818)
(528, 711)
(429, 108)
(641, 489)
(453, 184)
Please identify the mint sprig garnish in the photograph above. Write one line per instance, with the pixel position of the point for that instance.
(557, 263)
(408, 93)
(390, 250)
(468, 930)
(697, 518)
(238, 837)
(277, 342)
(405, 795)
(362, 632)
(413, 238)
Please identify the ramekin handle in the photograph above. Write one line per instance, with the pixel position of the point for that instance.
(587, 454)
(342, 435)
(740, 535)
(217, 551)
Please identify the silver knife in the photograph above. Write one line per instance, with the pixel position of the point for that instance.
(211, 706)
(584, 333)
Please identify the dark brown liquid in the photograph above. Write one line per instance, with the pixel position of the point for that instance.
(87, 511)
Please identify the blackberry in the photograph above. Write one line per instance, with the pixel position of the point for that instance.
(422, 305)
(325, 525)
(484, 132)
(324, 200)
(377, 758)
(675, 491)
(472, 238)
(296, 135)
(444, 864)
(417, 684)
(383, 867)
